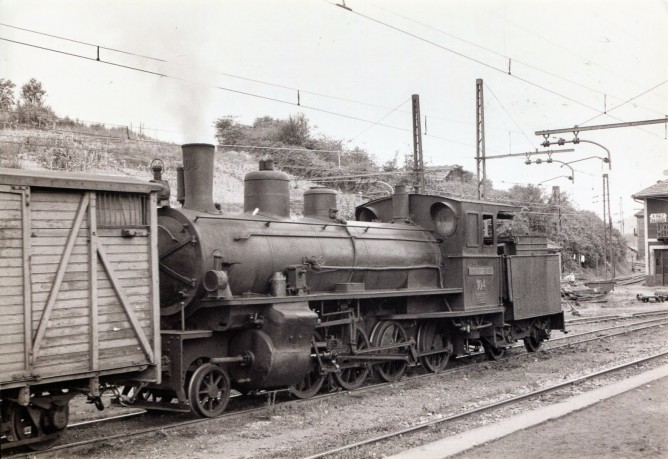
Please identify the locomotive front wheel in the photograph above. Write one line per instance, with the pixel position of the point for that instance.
(209, 390)
(432, 338)
(390, 333)
(314, 379)
(354, 377)
(532, 343)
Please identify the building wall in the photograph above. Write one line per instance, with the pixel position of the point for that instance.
(656, 211)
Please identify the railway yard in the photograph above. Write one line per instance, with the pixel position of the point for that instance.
(608, 341)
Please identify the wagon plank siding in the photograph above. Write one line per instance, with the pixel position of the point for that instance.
(77, 320)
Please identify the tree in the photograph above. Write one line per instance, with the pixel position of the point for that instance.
(296, 130)
(31, 107)
(32, 93)
(7, 100)
(228, 131)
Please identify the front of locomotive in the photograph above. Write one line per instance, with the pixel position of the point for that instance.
(254, 282)
(183, 258)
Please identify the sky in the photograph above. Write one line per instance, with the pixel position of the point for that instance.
(545, 64)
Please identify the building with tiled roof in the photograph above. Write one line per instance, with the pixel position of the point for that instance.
(655, 231)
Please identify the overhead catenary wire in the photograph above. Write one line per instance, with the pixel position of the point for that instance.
(83, 42)
(478, 61)
(244, 78)
(626, 102)
(496, 53)
(236, 91)
(510, 116)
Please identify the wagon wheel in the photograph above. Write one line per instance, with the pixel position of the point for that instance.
(354, 377)
(24, 427)
(388, 333)
(209, 391)
(313, 380)
(532, 343)
(432, 338)
(493, 352)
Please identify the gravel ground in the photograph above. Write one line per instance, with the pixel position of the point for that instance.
(631, 425)
(300, 430)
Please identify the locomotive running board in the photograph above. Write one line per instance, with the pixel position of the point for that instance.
(326, 296)
(173, 407)
(443, 314)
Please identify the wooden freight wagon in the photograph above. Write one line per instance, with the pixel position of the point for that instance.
(79, 302)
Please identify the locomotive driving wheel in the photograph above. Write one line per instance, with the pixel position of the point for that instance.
(432, 337)
(209, 390)
(353, 377)
(314, 379)
(390, 333)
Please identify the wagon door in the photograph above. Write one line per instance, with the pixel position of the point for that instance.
(92, 283)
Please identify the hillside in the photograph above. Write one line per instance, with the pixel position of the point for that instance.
(101, 152)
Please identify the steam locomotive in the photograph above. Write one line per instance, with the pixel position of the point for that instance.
(200, 302)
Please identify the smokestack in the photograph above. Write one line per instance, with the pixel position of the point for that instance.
(198, 176)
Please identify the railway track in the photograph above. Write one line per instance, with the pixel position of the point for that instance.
(259, 403)
(470, 413)
(598, 319)
(629, 280)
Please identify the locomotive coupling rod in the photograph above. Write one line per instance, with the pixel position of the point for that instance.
(380, 357)
(371, 350)
(245, 359)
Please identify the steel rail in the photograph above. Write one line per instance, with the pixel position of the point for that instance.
(482, 409)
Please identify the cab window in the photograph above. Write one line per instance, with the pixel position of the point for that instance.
(488, 229)
(472, 230)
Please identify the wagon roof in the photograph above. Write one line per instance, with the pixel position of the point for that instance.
(76, 181)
